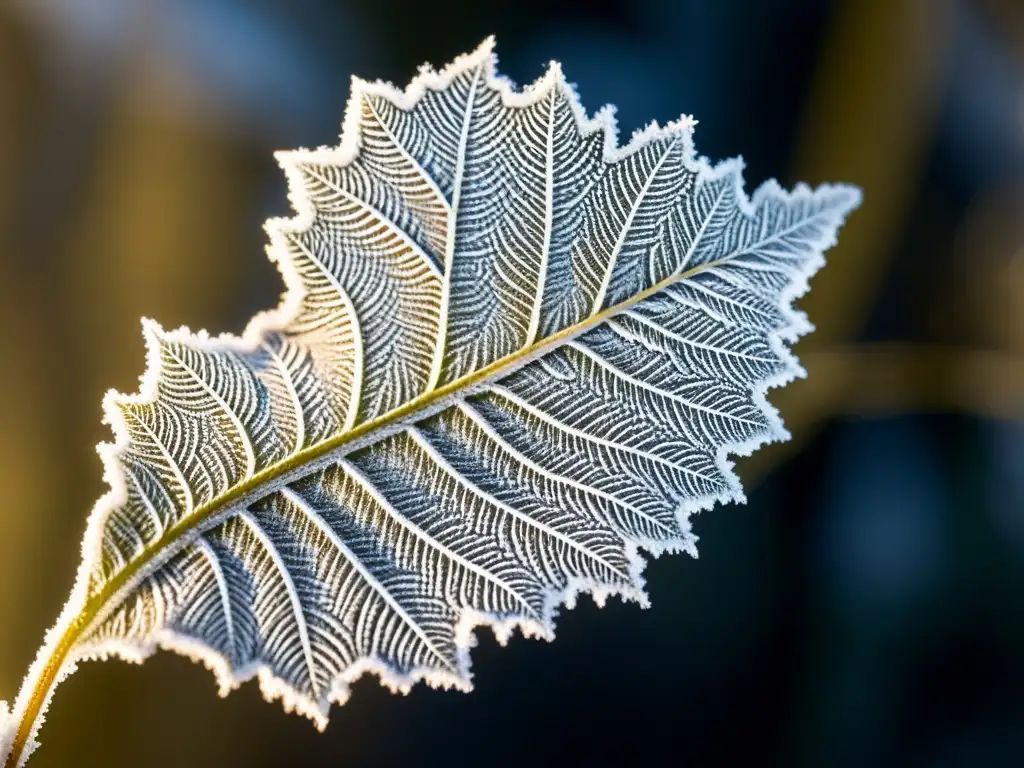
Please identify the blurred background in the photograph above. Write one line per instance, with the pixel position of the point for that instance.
(866, 607)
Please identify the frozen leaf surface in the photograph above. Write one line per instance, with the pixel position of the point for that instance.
(512, 355)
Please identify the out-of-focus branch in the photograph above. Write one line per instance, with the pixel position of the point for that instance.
(870, 120)
(28, 499)
(887, 379)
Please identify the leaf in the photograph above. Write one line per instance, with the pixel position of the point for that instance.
(511, 356)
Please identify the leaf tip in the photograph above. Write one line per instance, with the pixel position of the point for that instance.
(850, 196)
(486, 46)
(285, 158)
(684, 122)
(150, 328)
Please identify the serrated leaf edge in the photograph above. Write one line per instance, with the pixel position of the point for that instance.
(272, 687)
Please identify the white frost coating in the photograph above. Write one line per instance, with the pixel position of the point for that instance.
(456, 224)
(7, 729)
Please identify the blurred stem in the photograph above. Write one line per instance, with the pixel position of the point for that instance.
(885, 379)
(27, 441)
(870, 120)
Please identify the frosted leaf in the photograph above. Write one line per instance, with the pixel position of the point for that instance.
(512, 355)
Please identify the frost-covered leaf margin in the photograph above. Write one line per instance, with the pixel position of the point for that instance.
(272, 686)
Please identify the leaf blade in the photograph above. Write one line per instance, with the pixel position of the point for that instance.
(377, 362)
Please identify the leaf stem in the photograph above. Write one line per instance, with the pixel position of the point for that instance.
(41, 692)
